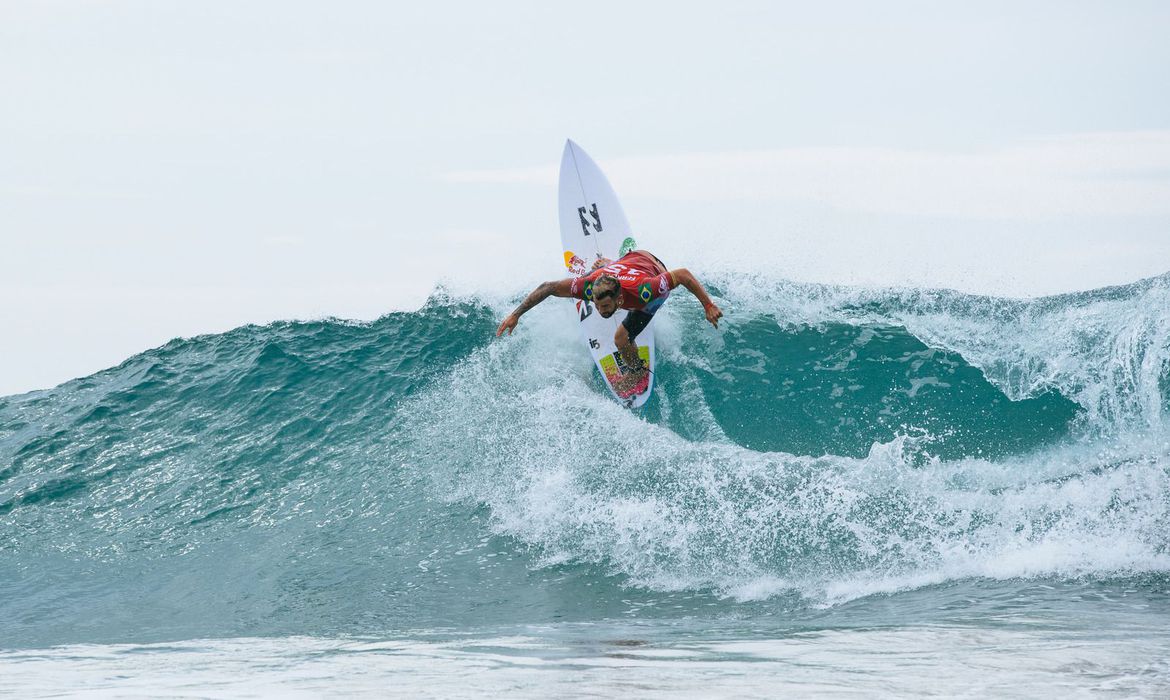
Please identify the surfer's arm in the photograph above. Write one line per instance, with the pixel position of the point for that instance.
(684, 277)
(558, 288)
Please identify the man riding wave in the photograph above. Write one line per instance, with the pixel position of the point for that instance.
(638, 282)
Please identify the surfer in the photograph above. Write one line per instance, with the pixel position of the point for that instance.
(638, 282)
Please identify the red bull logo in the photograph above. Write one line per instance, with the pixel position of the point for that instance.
(575, 263)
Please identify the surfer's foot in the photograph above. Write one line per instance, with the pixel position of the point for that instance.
(632, 383)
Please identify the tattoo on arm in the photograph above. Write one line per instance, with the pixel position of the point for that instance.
(538, 295)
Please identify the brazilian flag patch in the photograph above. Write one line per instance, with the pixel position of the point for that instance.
(644, 292)
(588, 291)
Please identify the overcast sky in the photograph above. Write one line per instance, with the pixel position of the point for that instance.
(175, 168)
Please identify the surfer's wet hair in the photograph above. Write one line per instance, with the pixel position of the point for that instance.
(605, 286)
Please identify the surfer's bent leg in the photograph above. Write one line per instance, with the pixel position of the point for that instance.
(626, 346)
(635, 322)
(633, 369)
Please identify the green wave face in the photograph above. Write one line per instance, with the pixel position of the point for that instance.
(827, 443)
(840, 388)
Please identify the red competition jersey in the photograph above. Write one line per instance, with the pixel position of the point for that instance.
(642, 276)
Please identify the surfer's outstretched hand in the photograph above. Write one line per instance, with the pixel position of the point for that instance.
(713, 314)
(508, 324)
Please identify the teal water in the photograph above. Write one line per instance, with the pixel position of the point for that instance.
(831, 459)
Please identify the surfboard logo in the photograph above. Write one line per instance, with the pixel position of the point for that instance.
(644, 292)
(575, 263)
(586, 223)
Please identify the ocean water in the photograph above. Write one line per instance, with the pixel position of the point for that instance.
(841, 491)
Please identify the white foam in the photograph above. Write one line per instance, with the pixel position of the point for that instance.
(585, 661)
(521, 427)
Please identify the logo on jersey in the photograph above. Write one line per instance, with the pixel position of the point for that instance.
(644, 292)
(663, 287)
(588, 291)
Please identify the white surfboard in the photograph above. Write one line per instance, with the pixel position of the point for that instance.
(594, 226)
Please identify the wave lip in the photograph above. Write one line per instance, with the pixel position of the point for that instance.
(1107, 349)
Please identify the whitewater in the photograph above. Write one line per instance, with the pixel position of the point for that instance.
(843, 491)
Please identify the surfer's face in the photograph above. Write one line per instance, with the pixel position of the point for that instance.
(606, 302)
(606, 307)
